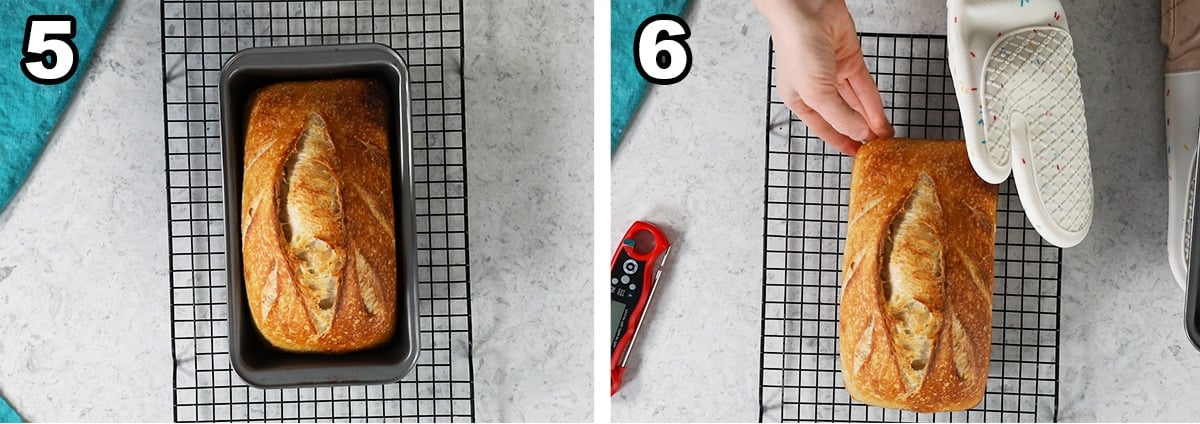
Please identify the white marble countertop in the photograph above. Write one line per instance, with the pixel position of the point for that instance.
(84, 291)
(693, 160)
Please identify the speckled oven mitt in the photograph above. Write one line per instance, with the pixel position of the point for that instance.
(1181, 95)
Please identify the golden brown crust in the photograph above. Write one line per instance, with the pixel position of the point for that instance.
(318, 234)
(916, 307)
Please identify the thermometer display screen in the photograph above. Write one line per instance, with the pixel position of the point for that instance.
(618, 309)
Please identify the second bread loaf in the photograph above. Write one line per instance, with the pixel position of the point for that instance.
(916, 306)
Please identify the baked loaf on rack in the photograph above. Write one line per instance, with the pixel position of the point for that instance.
(916, 308)
(318, 230)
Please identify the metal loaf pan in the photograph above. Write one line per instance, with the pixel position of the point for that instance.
(253, 359)
(1192, 309)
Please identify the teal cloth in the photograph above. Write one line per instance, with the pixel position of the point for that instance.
(32, 108)
(7, 414)
(627, 85)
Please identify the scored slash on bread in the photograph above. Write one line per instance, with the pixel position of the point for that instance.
(916, 304)
(912, 288)
(315, 228)
(318, 234)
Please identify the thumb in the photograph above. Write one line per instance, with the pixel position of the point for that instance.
(824, 98)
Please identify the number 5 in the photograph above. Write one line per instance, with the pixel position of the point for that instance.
(659, 50)
(50, 56)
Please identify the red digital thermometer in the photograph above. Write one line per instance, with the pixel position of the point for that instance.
(636, 266)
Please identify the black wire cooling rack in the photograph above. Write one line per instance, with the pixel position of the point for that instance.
(807, 190)
(198, 36)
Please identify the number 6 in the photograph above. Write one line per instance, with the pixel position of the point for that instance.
(50, 56)
(659, 50)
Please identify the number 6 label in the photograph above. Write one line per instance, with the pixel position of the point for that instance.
(659, 49)
(50, 56)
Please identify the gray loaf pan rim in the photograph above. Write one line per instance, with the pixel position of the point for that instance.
(250, 355)
(1191, 314)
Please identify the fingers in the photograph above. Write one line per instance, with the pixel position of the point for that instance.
(872, 105)
(823, 97)
(821, 128)
(847, 92)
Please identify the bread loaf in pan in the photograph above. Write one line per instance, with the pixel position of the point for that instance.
(917, 279)
(317, 221)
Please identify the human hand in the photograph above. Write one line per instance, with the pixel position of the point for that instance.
(820, 73)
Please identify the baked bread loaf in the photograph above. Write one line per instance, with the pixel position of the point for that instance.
(916, 307)
(318, 229)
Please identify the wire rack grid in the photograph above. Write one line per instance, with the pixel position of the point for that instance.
(807, 191)
(198, 37)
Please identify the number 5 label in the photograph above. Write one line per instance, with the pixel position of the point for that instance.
(660, 51)
(50, 56)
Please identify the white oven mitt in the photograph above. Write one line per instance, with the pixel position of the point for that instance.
(1015, 78)
(1181, 94)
